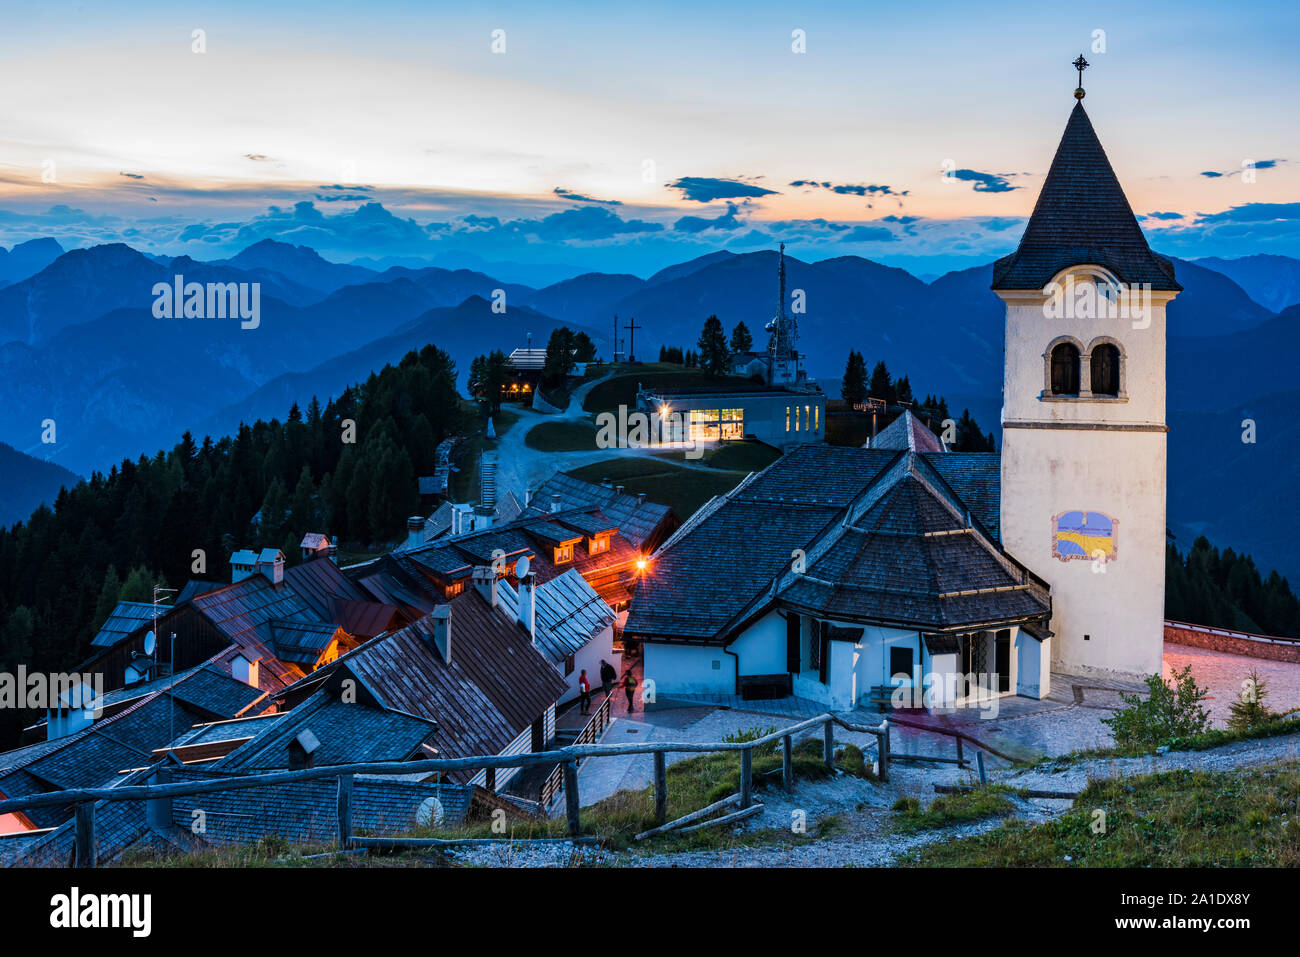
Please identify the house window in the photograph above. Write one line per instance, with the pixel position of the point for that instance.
(1105, 370)
(900, 662)
(597, 545)
(568, 666)
(817, 417)
(1065, 369)
(564, 553)
(787, 418)
(454, 589)
(732, 424)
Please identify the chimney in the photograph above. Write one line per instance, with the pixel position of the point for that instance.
(334, 550)
(483, 515)
(528, 496)
(158, 811)
(414, 531)
(605, 482)
(555, 503)
(485, 580)
(640, 498)
(441, 616)
(302, 750)
(528, 604)
(618, 489)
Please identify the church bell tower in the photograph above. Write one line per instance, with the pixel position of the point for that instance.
(1083, 413)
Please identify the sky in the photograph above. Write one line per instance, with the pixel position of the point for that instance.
(576, 136)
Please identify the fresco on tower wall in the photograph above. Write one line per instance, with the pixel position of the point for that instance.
(1089, 536)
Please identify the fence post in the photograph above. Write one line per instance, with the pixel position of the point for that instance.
(746, 773)
(571, 798)
(882, 748)
(960, 762)
(345, 811)
(828, 748)
(86, 834)
(979, 757)
(661, 788)
(787, 762)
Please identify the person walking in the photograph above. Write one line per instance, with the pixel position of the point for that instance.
(584, 688)
(629, 685)
(607, 677)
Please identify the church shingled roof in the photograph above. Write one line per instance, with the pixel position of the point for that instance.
(1082, 217)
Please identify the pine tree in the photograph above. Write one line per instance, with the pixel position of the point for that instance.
(741, 340)
(715, 360)
(1248, 711)
(853, 388)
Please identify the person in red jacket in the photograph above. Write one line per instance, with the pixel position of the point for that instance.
(584, 687)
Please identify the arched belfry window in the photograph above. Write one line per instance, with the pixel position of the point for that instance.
(1105, 359)
(1065, 369)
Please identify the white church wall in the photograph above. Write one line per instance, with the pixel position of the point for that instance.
(1089, 455)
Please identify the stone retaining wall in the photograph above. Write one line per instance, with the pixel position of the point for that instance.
(1274, 651)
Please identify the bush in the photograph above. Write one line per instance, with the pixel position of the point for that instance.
(906, 804)
(1170, 713)
(1248, 711)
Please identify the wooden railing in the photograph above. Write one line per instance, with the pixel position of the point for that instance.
(590, 734)
(568, 758)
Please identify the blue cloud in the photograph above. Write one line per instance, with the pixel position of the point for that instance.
(706, 189)
(698, 224)
(985, 182)
(580, 198)
(849, 189)
(869, 234)
(1160, 215)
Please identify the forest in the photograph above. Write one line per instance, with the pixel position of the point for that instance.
(347, 469)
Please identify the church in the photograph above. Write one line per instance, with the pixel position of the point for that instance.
(848, 576)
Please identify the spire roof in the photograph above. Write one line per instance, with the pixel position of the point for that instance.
(1082, 217)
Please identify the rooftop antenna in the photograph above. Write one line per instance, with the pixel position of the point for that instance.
(1080, 64)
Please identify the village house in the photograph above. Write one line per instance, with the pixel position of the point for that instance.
(471, 666)
(839, 575)
(267, 628)
(781, 407)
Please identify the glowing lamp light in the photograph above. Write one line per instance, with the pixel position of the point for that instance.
(641, 564)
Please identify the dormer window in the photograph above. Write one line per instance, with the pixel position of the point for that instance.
(564, 553)
(1105, 361)
(598, 544)
(1065, 369)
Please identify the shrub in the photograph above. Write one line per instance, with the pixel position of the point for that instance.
(1171, 712)
(1248, 711)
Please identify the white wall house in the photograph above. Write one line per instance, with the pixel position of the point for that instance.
(843, 576)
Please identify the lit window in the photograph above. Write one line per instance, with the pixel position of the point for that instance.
(817, 417)
(597, 545)
(563, 553)
(787, 418)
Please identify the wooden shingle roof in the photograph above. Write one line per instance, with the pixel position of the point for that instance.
(1082, 217)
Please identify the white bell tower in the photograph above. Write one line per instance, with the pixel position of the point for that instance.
(1083, 414)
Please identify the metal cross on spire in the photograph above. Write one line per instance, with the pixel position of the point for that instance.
(1080, 64)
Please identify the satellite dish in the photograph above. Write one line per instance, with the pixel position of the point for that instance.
(429, 812)
(150, 642)
(521, 567)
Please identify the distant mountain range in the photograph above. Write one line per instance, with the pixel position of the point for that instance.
(26, 483)
(79, 344)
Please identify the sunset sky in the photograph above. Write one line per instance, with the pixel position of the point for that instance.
(635, 138)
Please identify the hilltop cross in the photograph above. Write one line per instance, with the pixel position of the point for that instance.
(632, 327)
(1080, 64)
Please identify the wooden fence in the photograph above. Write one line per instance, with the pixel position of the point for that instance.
(568, 758)
(590, 734)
